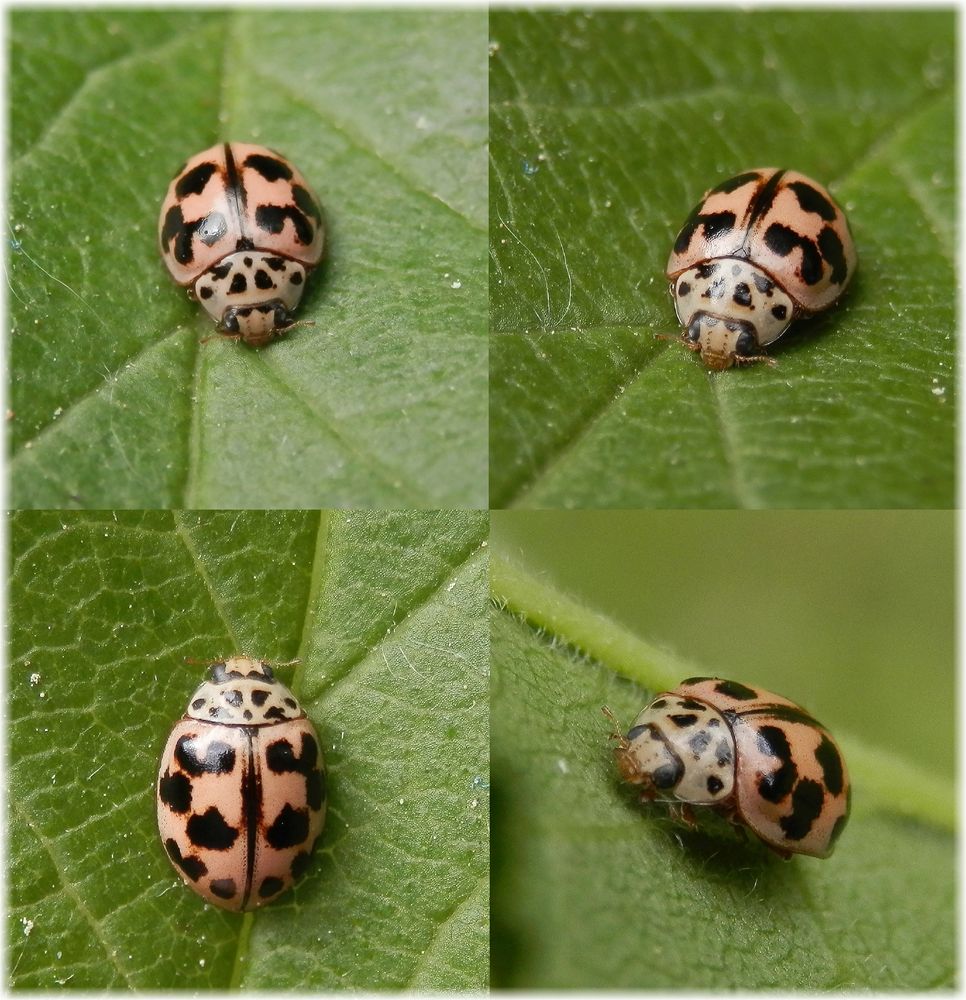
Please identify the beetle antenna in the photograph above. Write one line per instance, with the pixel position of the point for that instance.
(616, 734)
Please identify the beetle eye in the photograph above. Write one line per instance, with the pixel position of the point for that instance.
(694, 331)
(746, 344)
(668, 775)
(281, 317)
(230, 321)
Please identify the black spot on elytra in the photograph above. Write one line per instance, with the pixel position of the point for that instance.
(272, 218)
(833, 251)
(742, 294)
(732, 689)
(300, 862)
(784, 713)
(259, 697)
(782, 240)
(812, 200)
(193, 867)
(280, 758)
(263, 280)
(733, 183)
(307, 203)
(684, 289)
(223, 888)
(271, 886)
(714, 784)
(842, 820)
(723, 755)
(218, 273)
(234, 698)
(176, 230)
(764, 198)
(775, 786)
(290, 828)
(779, 312)
(210, 830)
(715, 290)
(174, 790)
(276, 711)
(247, 714)
(713, 722)
(712, 225)
(275, 263)
(660, 703)
(807, 801)
(219, 757)
(195, 180)
(692, 705)
(204, 292)
(247, 261)
(239, 284)
(199, 702)
(270, 167)
(684, 720)
(831, 764)
(705, 271)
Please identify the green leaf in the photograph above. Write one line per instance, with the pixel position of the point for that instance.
(593, 890)
(115, 397)
(606, 128)
(386, 613)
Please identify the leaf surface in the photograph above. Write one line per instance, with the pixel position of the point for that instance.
(606, 128)
(386, 613)
(115, 398)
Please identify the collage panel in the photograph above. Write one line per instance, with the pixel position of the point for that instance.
(366, 196)
(375, 623)
(631, 152)
(619, 860)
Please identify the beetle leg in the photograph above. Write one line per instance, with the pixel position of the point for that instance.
(681, 812)
(746, 359)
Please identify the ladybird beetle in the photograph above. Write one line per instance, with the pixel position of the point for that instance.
(761, 249)
(756, 758)
(241, 229)
(241, 788)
